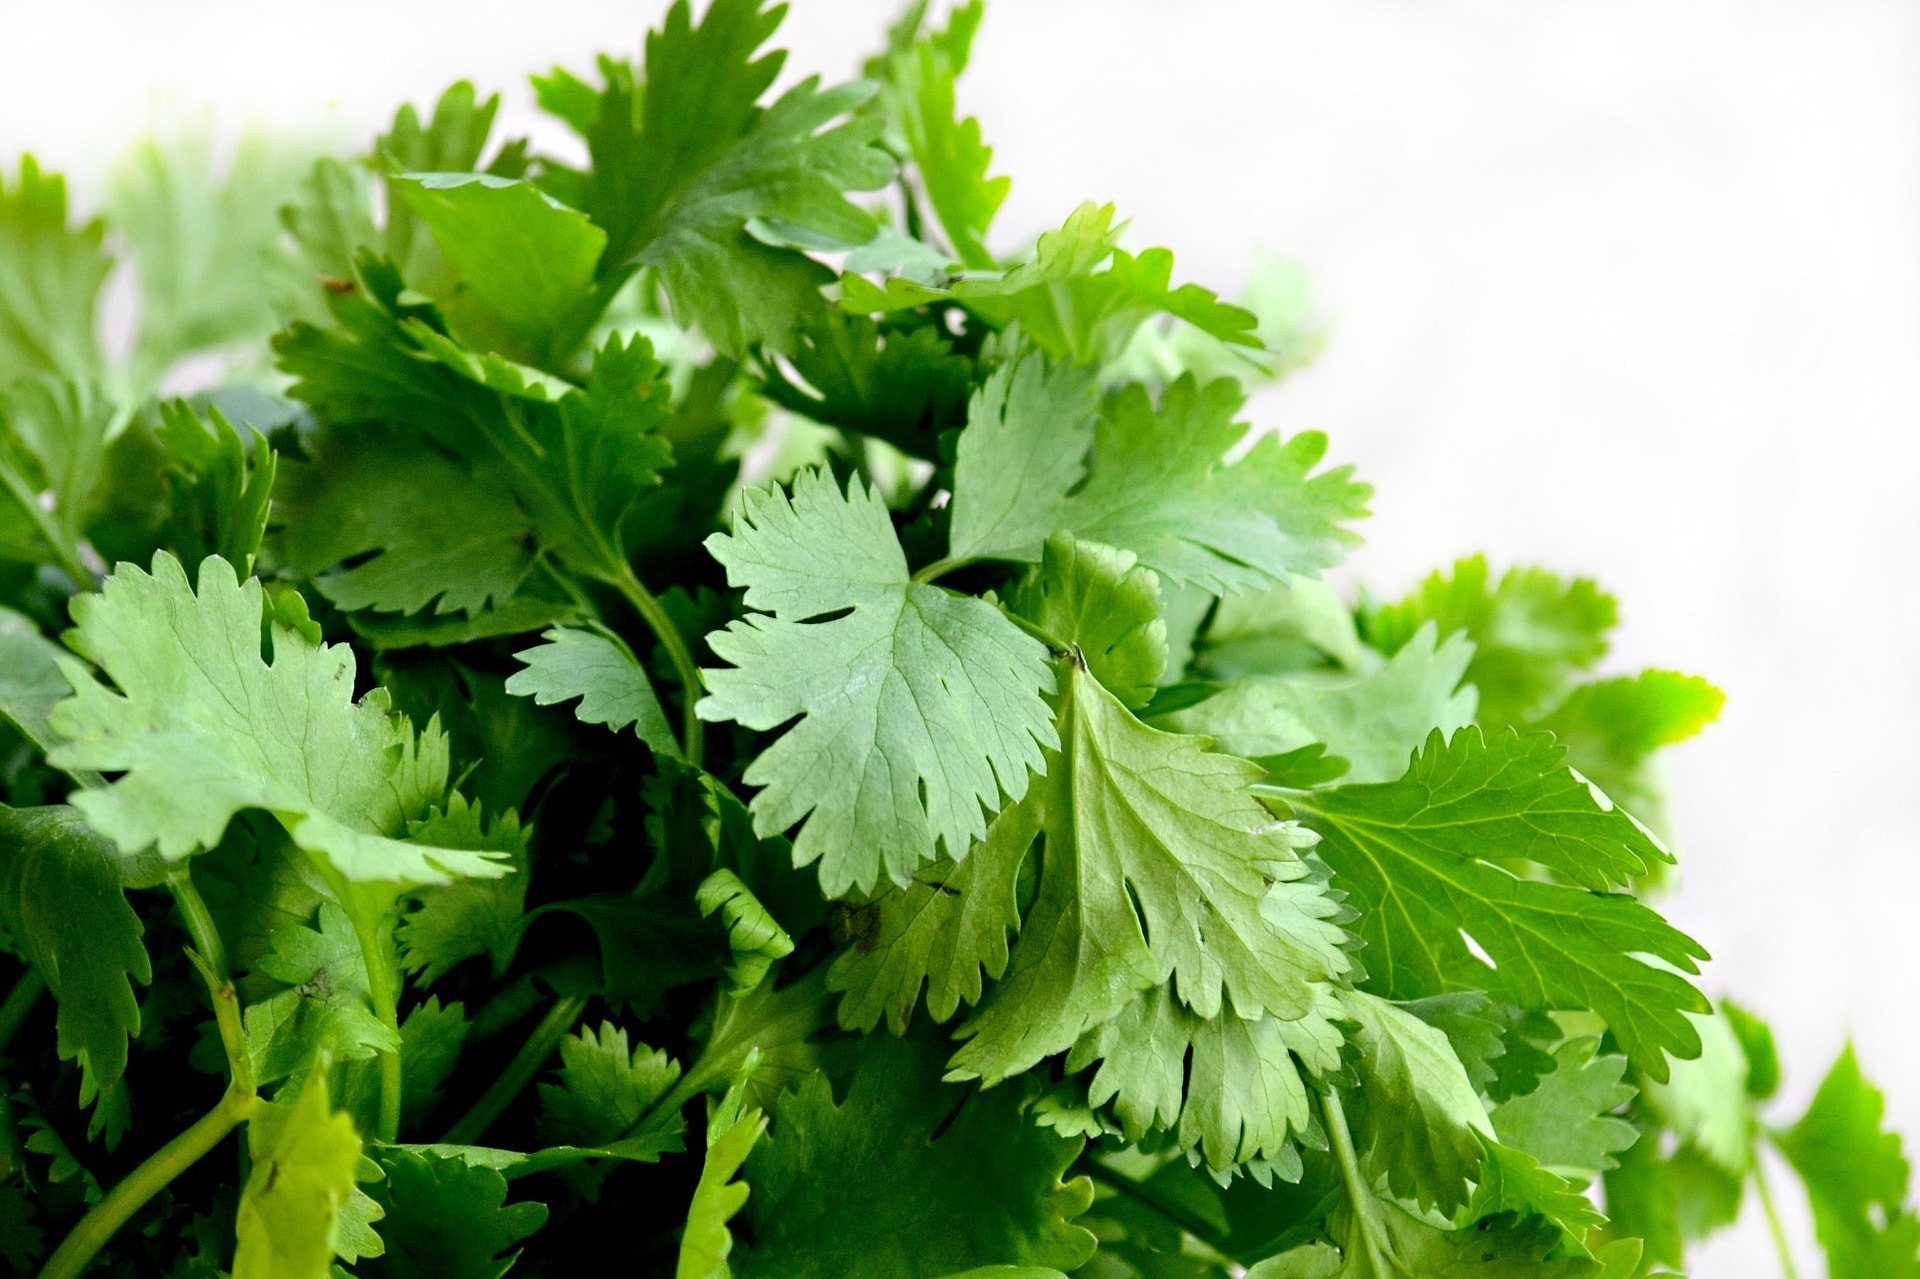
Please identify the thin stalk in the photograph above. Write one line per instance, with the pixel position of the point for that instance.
(64, 555)
(1359, 1193)
(1773, 1220)
(20, 1001)
(199, 921)
(519, 1072)
(1131, 1189)
(383, 987)
(647, 604)
(80, 1247)
(939, 569)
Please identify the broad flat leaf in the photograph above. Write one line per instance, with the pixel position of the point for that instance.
(305, 1157)
(1281, 630)
(732, 1133)
(1159, 865)
(1857, 1177)
(431, 1037)
(1097, 600)
(1375, 722)
(600, 670)
(420, 529)
(1499, 1247)
(904, 386)
(603, 1089)
(1291, 329)
(1000, 1197)
(219, 482)
(1611, 727)
(1568, 1123)
(468, 918)
(1668, 1201)
(755, 935)
(322, 1007)
(1158, 485)
(1418, 859)
(30, 679)
(1532, 632)
(445, 1219)
(526, 260)
(920, 708)
(683, 160)
(1705, 1100)
(202, 727)
(61, 902)
(1512, 1181)
(1234, 1090)
(50, 275)
(1415, 1116)
(946, 928)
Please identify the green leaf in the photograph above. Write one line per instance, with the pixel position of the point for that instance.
(446, 1219)
(61, 902)
(1705, 1100)
(1611, 727)
(948, 153)
(30, 680)
(1159, 484)
(905, 386)
(450, 923)
(1532, 632)
(1000, 1197)
(1231, 1089)
(1856, 1176)
(755, 935)
(219, 487)
(1418, 858)
(603, 1089)
(1283, 630)
(918, 706)
(305, 1159)
(1569, 1123)
(50, 276)
(323, 1009)
(1375, 721)
(732, 1133)
(1416, 1119)
(419, 528)
(1098, 601)
(53, 437)
(203, 727)
(1159, 865)
(683, 164)
(1512, 1181)
(526, 260)
(943, 930)
(598, 668)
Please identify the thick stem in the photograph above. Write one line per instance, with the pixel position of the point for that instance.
(80, 1247)
(20, 1001)
(520, 1071)
(1359, 1193)
(1773, 1219)
(645, 603)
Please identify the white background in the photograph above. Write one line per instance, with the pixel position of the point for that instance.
(1628, 287)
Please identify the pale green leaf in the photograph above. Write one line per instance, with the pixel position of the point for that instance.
(599, 669)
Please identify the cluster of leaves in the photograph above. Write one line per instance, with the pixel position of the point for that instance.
(700, 645)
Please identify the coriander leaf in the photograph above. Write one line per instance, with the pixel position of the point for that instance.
(1415, 1116)
(525, 262)
(1282, 630)
(53, 437)
(682, 164)
(1159, 864)
(323, 1011)
(204, 727)
(943, 930)
(1513, 1181)
(604, 1090)
(1568, 1123)
(598, 668)
(755, 935)
(948, 153)
(1667, 1200)
(1001, 1198)
(50, 276)
(21, 1242)
(1705, 1100)
(732, 1133)
(30, 679)
(1376, 721)
(1097, 600)
(1612, 726)
(468, 918)
(1532, 632)
(906, 386)
(418, 527)
(445, 1219)
(431, 1038)
(1159, 484)
(1234, 1090)
(219, 487)
(305, 1157)
(1402, 852)
(1856, 1176)
(61, 902)
(918, 706)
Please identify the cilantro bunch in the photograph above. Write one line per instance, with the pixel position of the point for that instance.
(694, 712)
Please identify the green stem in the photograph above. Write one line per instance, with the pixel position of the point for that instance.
(647, 604)
(1155, 1202)
(1773, 1219)
(939, 569)
(199, 920)
(80, 1247)
(366, 911)
(519, 1072)
(1359, 1193)
(64, 555)
(20, 1001)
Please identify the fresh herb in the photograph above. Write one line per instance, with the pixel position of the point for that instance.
(691, 713)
